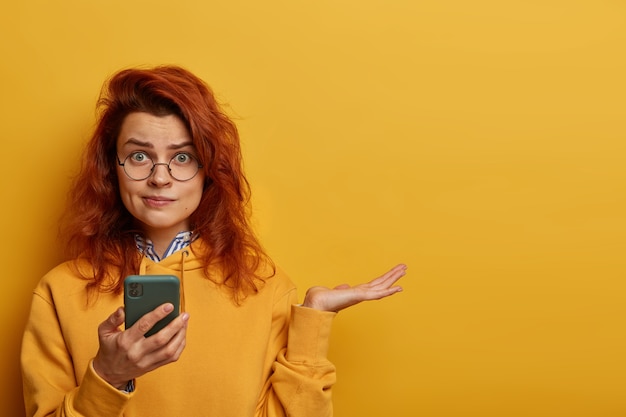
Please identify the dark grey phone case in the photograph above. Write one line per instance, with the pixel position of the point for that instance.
(144, 293)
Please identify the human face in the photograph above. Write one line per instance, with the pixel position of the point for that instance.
(160, 204)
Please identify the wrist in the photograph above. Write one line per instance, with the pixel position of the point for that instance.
(117, 383)
(311, 300)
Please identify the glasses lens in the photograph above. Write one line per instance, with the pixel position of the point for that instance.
(183, 166)
(138, 166)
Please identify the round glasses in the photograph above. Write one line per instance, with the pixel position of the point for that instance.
(139, 166)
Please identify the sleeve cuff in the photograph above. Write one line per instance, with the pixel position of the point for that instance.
(95, 394)
(309, 335)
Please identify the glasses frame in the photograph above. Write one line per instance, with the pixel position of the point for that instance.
(154, 164)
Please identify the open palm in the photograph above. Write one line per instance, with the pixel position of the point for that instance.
(343, 296)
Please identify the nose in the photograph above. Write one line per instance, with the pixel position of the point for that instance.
(160, 176)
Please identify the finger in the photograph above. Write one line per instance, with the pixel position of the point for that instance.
(393, 272)
(148, 320)
(169, 358)
(391, 276)
(173, 350)
(163, 336)
(149, 353)
(112, 323)
(167, 353)
(388, 291)
(377, 294)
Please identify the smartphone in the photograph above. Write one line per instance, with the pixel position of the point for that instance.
(144, 293)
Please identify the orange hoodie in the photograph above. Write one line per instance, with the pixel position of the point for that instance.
(263, 358)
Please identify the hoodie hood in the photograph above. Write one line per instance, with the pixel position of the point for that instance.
(178, 263)
(184, 260)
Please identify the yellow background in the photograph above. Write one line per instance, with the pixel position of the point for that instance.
(480, 142)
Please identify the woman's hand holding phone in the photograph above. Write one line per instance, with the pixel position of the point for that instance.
(124, 355)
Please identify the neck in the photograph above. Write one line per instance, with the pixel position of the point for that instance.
(161, 239)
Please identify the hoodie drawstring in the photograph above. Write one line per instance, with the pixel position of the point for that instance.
(142, 265)
(184, 254)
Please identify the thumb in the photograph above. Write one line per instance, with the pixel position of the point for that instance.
(113, 322)
(342, 287)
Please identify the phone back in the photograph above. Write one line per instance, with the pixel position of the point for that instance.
(144, 293)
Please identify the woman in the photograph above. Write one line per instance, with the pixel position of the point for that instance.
(162, 191)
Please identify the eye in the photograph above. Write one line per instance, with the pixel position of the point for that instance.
(139, 157)
(182, 158)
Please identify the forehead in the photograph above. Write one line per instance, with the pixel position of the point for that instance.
(145, 129)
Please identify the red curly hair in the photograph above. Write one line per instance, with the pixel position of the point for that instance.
(98, 228)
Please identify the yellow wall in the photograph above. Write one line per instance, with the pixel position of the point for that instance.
(480, 142)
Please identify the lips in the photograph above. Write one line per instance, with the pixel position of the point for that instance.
(157, 201)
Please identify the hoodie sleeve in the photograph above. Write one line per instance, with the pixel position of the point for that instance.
(302, 378)
(49, 380)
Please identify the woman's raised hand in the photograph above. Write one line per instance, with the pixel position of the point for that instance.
(343, 296)
(126, 355)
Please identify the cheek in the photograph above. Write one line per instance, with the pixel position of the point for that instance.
(126, 193)
(194, 197)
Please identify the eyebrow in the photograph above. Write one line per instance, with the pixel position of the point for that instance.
(133, 141)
